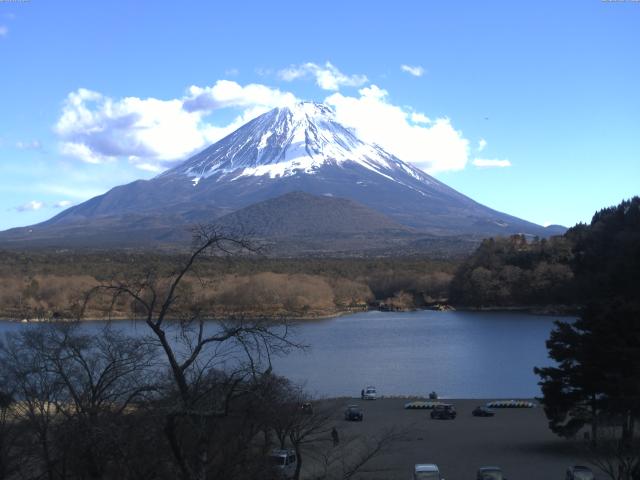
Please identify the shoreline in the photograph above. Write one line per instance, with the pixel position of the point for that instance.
(548, 310)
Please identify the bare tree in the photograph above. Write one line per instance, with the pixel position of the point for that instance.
(36, 392)
(71, 390)
(295, 420)
(354, 456)
(308, 431)
(211, 365)
(9, 436)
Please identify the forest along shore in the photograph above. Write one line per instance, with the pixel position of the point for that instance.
(38, 286)
(550, 276)
(45, 285)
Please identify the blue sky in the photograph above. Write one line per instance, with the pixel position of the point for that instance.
(95, 94)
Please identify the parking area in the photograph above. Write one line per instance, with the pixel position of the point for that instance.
(518, 440)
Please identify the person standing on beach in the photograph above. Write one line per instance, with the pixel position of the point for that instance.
(334, 436)
(362, 394)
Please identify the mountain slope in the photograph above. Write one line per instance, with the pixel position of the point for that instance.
(296, 149)
(300, 214)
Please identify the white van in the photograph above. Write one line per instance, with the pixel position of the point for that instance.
(284, 462)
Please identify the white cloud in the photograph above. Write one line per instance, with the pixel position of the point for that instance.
(34, 205)
(420, 118)
(482, 143)
(152, 133)
(491, 163)
(328, 77)
(150, 167)
(32, 145)
(77, 191)
(226, 93)
(435, 147)
(416, 71)
(30, 206)
(82, 152)
(4, 31)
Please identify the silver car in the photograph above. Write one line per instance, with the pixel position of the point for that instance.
(490, 473)
(578, 472)
(284, 462)
(426, 471)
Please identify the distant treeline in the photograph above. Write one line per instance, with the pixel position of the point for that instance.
(45, 284)
(599, 260)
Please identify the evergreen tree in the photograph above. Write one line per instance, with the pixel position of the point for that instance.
(597, 376)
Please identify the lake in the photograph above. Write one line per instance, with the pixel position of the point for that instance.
(458, 354)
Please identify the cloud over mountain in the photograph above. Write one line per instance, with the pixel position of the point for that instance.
(153, 134)
(30, 206)
(430, 145)
(327, 76)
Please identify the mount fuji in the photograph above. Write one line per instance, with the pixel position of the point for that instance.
(273, 171)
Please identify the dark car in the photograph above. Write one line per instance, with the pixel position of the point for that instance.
(482, 412)
(578, 472)
(444, 411)
(353, 413)
(490, 473)
(307, 408)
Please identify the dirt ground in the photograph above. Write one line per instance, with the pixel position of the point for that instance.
(518, 440)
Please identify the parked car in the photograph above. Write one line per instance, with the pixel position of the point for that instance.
(444, 411)
(426, 471)
(481, 411)
(578, 472)
(490, 473)
(370, 393)
(307, 408)
(284, 462)
(353, 413)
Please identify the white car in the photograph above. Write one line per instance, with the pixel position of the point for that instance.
(578, 472)
(370, 393)
(426, 471)
(284, 462)
(490, 473)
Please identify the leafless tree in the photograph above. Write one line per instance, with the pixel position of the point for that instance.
(303, 429)
(354, 456)
(211, 365)
(310, 431)
(36, 392)
(9, 436)
(70, 388)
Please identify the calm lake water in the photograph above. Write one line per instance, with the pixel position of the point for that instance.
(457, 354)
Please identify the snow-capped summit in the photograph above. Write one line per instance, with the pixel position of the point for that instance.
(287, 141)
